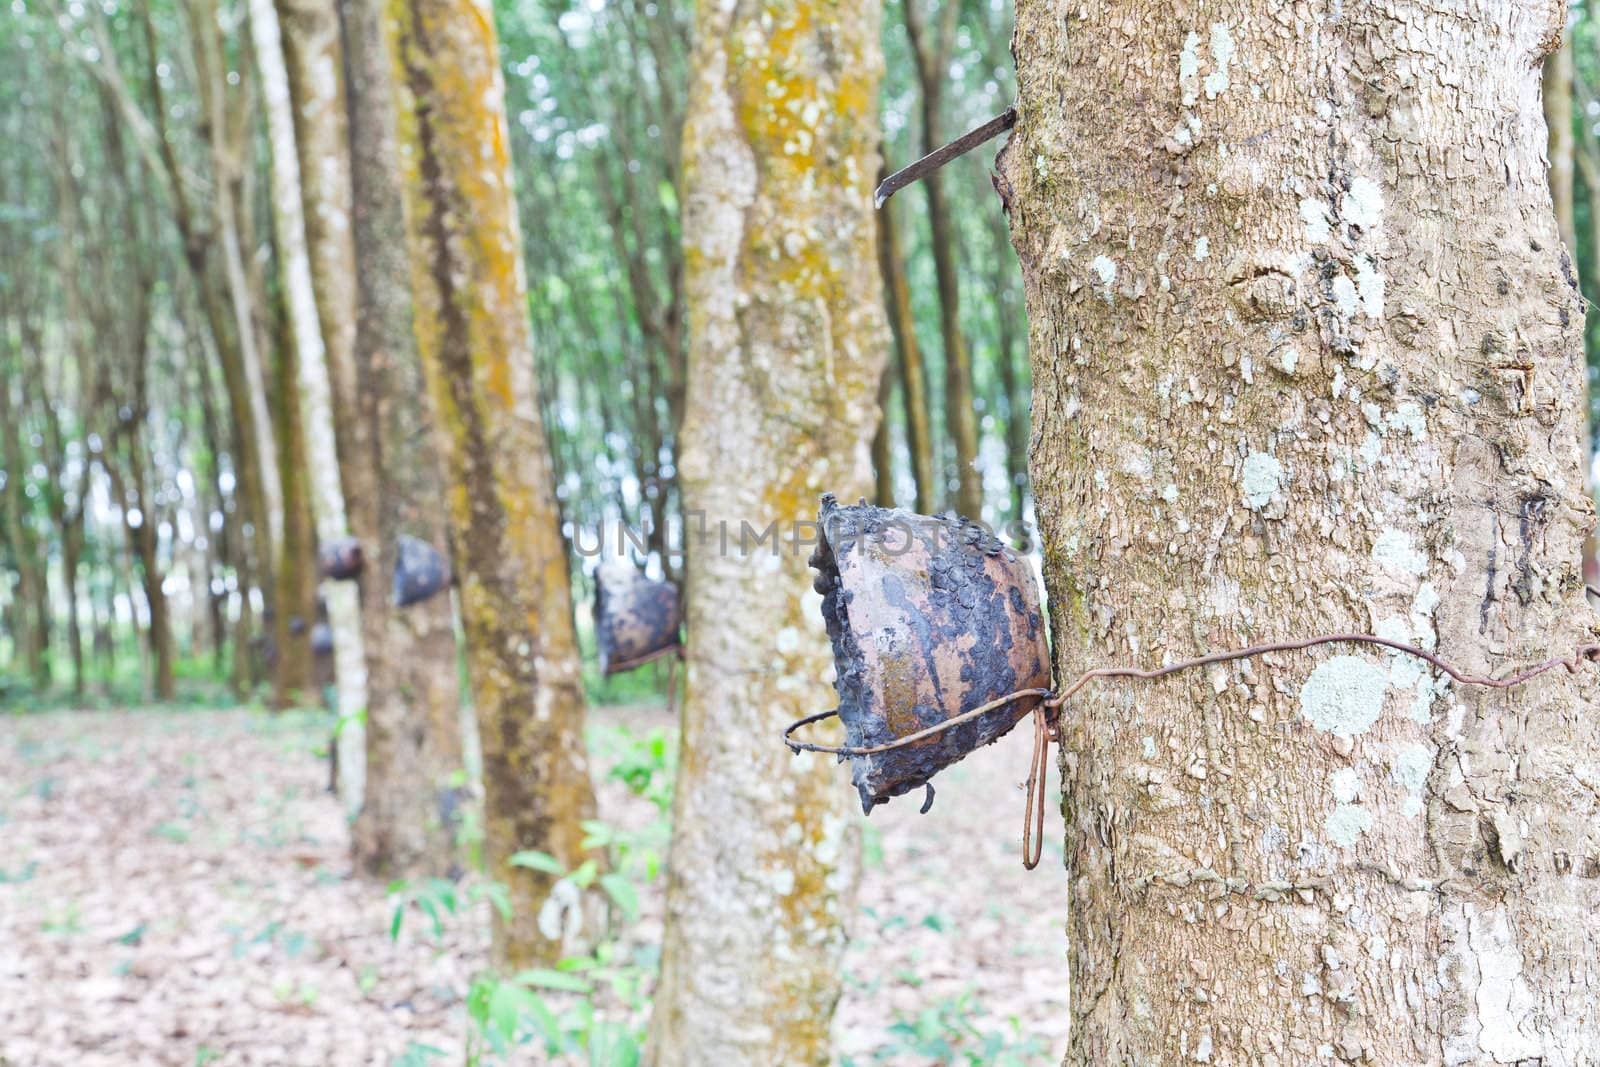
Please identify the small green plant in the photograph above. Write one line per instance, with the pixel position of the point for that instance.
(417, 1055)
(439, 898)
(592, 1008)
(22, 874)
(945, 1033)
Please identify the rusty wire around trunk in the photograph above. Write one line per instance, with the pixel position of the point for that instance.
(1047, 726)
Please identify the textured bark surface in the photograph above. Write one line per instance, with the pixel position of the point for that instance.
(1308, 358)
(787, 343)
(472, 331)
(414, 757)
(313, 395)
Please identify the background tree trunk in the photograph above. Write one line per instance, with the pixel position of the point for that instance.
(908, 354)
(314, 394)
(931, 49)
(787, 344)
(1308, 358)
(414, 749)
(1558, 117)
(472, 332)
(24, 543)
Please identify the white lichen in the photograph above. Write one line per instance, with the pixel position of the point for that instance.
(1369, 286)
(1346, 823)
(1345, 296)
(1411, 767)
(1221, 55)
(1346, 785)
(1393, 552)
(1344, 695)
(1106, 269)
(1202, 248)
(1363, 204)
(1189, 68)
(1407, 418)
(1314, 213)
(1261, 477)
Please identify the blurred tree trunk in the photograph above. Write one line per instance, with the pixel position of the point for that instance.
(472, 332)
(908, 355)
(314, 394)
(786, 349)
(1012, 385)
(1364, 415)
(931, 49)
(224, 287)
(24, 543)
(414, 751)
(882, 442)
(294, 598)
(1558, 120)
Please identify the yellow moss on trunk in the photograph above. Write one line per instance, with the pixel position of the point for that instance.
(787, 342)
(476, 351)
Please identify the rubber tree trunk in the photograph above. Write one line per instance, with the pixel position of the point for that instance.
(1558, 117)
(931, 48)
(19, 532)
(883, 443)
(1308, 358)
(414, 745)
(294, 581)
(908, 354)
(314, 394)
(787, 344)
(473, 335)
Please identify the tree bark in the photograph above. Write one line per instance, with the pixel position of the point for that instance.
(1012, 385)
(314, 394)
(1557, 84)
(883, 444)
(472, 332)
(414, 750)
(787, 344)
(24, 541)
(931, 49)
(908, 354)
(1307, 358)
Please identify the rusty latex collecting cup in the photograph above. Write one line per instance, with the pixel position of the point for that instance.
(420, 571)
(340, 559)
(930, 618)
(636, 619)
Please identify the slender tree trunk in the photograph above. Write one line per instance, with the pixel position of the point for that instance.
(24, 543)
(882, 442)
(1558, 117)
(294, 579)
(473, 336)
(1012, 384)
(787, 344)
(314, 393)
(71, 555)
(1308, 358)
(931, 50)
(414, 751)
(908, 354)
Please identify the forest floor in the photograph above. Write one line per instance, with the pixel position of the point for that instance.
(175, 888)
